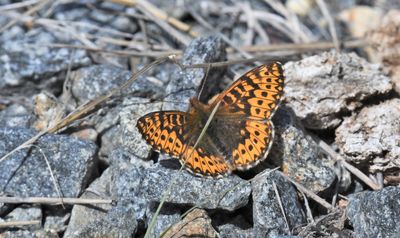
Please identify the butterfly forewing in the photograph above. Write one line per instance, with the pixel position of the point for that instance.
(164, 131)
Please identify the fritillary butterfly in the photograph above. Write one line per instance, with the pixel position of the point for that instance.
(240, 134)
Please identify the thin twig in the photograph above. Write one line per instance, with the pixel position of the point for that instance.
(116, 12)
(53, 201)
(310, 217)
(154, 54)
(31, 11)
(160, 14)
(331, 23)
(278, 197)
(7, 224)
(183, 39)
(291, 49)
(348, 166)
(14, 6)
(300, 32)
(303, 47)
(53, 177)
(309, 193)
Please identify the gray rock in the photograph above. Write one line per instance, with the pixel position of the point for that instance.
(118, 222)
(25, 173)
(333, 224)
(185, 84)
(229, 193)
(130, 138)
(93, 81)
(124, 24)
(164, 221)
(267, 214)
(77, 13)
(13, 33)
(116, 126)
(375, 214)
(82, 216)
(232, 231)
(15, 116)
(298, 154)
(56, 223)
(371, 137)
(121, 156)
(21, 63)
(101, 17)
(121, 182)
(26, 214)
(130, 184)
(18, 234)
(322, 88)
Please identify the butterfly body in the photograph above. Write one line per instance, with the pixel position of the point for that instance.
(239, 135)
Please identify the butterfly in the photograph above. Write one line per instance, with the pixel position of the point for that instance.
(239, 135)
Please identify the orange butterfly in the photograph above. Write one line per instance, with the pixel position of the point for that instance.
(240, 134)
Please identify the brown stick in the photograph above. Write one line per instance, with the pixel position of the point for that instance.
(27, 13)
(150, 8)
(53, 201)
(309, 193)
(348, 166)
(331, 23)
(6, 224)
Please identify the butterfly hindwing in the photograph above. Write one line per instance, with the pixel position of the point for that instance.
(166, 132)
(257, 93)
(202, 162)
(254, 144)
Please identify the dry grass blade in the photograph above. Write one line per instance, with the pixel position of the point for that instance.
(149, 7)
(331, 23)
(300, 33)
(7, 224)
(348, 166)
(154, 54)
(278, 197)
(309, 193)
(31, 11)
(304, 47)
(53, 201)
(87, 107)
(14, 6)
(183, 39)
(53, 177)
(310, 217)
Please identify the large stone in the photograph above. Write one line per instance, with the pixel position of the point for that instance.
(321, 89)
(26, 173)
(186, 84)
(371, 137)
(268, 217)
(93, 81)
(298, 154)
(229, 193)
(20, 63)
(375, 214)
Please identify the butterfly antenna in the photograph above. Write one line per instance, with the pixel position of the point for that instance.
(204, 81)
